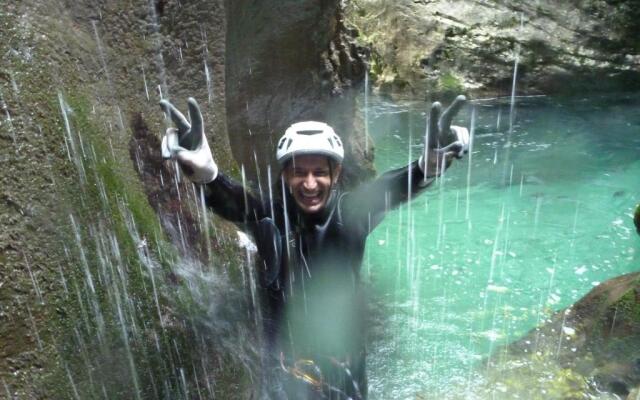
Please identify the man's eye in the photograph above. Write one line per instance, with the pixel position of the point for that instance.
(322, 173)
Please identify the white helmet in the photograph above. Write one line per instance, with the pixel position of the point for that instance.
(309, 137)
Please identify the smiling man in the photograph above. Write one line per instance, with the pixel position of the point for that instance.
(311, 237)
(311, 154)
(310, 180)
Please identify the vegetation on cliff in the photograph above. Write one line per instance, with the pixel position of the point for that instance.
(417, 46)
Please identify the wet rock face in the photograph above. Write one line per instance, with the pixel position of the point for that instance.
(447, 47)
(288, 61)
(636, 218)
(80, 125)
(103, 65)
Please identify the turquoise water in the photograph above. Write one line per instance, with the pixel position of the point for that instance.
(509, 235)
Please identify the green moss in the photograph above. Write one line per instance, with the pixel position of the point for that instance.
(450, 85)
(376, 66)
(534, 376)
(510, 22)
(112, 170)
(449, 81)
(627, 309)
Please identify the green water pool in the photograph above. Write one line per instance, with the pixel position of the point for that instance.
(526, 225)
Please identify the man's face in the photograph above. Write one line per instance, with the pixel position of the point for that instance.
(310, 179)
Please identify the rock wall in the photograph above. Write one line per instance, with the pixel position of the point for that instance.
(290, 61)
(114, 283)
(98, 285)
(446, 47)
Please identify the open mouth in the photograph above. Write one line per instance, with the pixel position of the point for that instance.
(311, 199)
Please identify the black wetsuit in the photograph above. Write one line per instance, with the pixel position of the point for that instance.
(313, 305)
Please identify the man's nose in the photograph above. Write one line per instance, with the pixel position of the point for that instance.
(310, 181)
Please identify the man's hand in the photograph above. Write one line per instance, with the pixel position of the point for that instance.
(443, 141)
(188, 144)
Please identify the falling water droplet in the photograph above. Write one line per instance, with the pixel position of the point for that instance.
(470, 163)
(209, 82)
(34, 282)
(34, 328)
(144, 79)
(366, 110)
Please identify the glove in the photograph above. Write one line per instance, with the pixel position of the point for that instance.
(444, 141)
(187, 143)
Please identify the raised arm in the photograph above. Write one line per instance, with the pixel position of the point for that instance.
(187, 144)
(367, 205)
(233, 202)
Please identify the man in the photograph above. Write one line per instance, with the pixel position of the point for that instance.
(311, 237)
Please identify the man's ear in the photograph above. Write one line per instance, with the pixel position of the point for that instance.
(284, 177)
(336, 173)
(286, 170)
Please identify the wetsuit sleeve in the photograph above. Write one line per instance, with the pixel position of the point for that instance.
(367, 205)
(231, 201)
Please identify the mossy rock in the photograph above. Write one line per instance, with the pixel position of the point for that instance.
(536, 376)
(595, 339)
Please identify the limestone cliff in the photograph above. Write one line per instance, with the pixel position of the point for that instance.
(453, 46)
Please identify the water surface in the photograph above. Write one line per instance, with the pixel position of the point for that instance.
(537, 216)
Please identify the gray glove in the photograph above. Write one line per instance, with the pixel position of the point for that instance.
(444, 140)
(187, 143)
